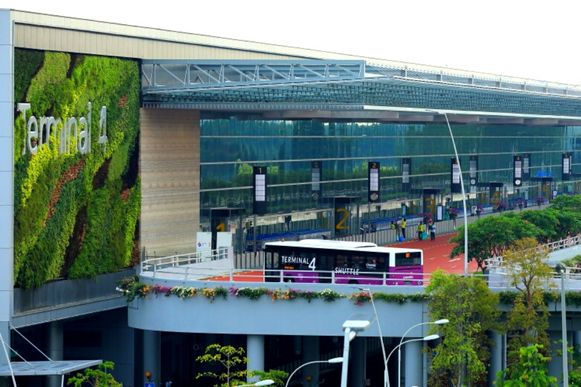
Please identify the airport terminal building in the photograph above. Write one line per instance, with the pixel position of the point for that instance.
(119, 143)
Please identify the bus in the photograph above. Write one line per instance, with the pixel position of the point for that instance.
(339, 262)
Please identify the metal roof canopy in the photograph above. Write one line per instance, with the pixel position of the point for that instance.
(347, 85)
(43, 368)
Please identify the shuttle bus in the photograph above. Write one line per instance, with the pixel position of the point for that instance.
(329, 261)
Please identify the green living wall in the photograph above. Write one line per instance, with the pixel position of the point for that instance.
(77, 199)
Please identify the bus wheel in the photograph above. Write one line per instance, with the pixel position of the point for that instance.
(353, 282)
(288, 280)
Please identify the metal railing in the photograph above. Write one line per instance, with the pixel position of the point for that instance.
(184, 262)
(496, 262)
(564, 243)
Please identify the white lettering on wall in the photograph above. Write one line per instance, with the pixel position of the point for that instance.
(73, 134)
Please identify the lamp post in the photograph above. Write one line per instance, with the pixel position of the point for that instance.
(265, 382)
(437, 322)
(350, 329)
(380, 334)
(463, 193)
(426, 338)
(330, 361)
(561, 270)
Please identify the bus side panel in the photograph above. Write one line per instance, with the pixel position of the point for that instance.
(301, 276)
(360, 279)
(406, 275)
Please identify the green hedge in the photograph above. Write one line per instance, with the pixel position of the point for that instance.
(64, 227)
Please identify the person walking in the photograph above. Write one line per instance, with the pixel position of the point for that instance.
(432, 229)
(398, 230)
(403, 226)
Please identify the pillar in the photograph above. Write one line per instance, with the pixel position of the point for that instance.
(6, 178)
(413, 364)
(255, 354)
(311, 353)
(358, 362)
(556, 363)
(496, 356)
(577, 341)
(55, 348)
(152, 355)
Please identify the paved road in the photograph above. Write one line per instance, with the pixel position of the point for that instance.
(437, 255)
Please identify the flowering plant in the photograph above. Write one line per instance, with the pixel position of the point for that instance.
(360, 297)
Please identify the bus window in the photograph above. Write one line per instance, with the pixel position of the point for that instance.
(370, 264)
(308, 261)
(357, 262)
(341, 261)
(408, 259)
(272, 260)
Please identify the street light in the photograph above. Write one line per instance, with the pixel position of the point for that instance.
(330, 361)
(350, 329)
(561, 270)
(437, 322)
(463, 192)
(380, 334)
(426, 338)
(265, 382)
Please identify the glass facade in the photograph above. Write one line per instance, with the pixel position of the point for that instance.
(231, 147)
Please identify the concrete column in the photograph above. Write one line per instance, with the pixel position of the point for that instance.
(556, 363)
(6, 177)
(358, 363)
(577, 341)
(413, 364)
(496, 356)
(255, 353)
(55, 348)
(311, 353)
(118, 345)
(152, 355)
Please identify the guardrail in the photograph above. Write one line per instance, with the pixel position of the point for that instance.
(496, 262)
(564, 243)
(184, 262)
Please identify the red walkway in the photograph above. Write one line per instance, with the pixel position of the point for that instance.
(437, 255)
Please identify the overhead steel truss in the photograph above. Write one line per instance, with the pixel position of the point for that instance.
(337, 84)
(175, 76)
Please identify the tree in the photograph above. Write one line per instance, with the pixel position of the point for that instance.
(227, 359)
(96, 377)
(461, 357)
(491, 236)
(279, 377)
(529, 371)
(529, 274)
(546, 221)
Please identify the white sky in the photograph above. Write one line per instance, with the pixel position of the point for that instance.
(531, 39)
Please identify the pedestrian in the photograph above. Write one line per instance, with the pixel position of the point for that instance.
(398, 229)
(432, 229)
(421, 230)
(403, 226)
(478, 211)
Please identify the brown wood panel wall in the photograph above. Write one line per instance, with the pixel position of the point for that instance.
(170, 176)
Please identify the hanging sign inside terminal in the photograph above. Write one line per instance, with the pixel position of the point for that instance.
(455, 176)
(526, 166)
(473, 170)
(373, 179)
(406, 170)
(316, 179)
(66, 130)
(517, 171)
(566, 164)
